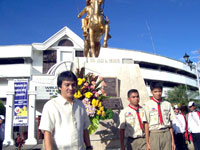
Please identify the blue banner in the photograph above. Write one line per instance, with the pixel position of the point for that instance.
(20, 103)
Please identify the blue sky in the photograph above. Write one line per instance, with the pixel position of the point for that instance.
(173, 25)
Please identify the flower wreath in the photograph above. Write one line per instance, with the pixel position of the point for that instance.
(90, 90)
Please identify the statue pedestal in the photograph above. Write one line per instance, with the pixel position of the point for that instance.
(128, 76)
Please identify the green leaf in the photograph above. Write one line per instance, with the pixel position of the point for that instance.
(94, 125)
(109, 114)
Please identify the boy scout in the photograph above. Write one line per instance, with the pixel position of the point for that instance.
(179, 128)
(193, 118)
(131, 123)
(159, 132)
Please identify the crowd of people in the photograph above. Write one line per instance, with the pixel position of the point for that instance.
(158, 125)
(155, 126)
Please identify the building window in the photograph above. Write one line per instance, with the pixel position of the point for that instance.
(79, 54)
(65, 42)
(49, 59)
(5, 61)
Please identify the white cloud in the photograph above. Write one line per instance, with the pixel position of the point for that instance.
(194, 52)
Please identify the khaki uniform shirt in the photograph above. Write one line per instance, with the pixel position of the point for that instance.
(151, 110)
(129, 122)
(66, 122)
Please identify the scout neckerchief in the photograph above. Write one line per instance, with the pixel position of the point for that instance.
(159, 111)
(196, 121)
(186, 127)
(190, 135)
(138, 115)
(185, 121)
(198, 113)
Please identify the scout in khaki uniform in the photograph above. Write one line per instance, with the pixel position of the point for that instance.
(158, 129)
(131, 123)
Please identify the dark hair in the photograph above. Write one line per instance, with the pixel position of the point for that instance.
(65, 76)
(155, 85)
(132, 91)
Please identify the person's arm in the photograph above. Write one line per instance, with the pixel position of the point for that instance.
(172, 135)
(82, 13)
(47, 140)
(86, 138)
(122, 138)
(146, 127)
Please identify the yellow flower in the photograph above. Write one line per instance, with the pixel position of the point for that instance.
(83, 79)
(99, 112)
(78, 95)
(101, 108)
(100, 104)
(80, 81)
(97, 102)
(88, 94)
(103, 114)
(94, 102)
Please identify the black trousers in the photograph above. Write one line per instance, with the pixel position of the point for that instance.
(196, 140)
(1, 144)
(180, 141)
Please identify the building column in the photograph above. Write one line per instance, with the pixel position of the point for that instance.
(8, 140)
(31, 119)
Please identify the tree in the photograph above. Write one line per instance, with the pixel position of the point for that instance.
(181, 95)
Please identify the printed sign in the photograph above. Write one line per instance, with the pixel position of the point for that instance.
(20, 103)
(46, 92)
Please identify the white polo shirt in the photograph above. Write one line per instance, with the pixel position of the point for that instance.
(193, 122)
(66, 123)
(179, 124)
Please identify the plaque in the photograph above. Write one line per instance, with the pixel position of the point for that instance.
(113, 103)
(112, 86)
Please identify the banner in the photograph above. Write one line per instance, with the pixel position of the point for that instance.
(20, 102)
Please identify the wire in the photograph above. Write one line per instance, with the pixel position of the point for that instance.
(77, 7)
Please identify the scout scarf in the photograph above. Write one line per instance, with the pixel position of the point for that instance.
(186, 127)
(159, 111)
(138, 115)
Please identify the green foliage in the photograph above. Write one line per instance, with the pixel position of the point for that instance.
(2, 108)
(180, 95)
(94, 125)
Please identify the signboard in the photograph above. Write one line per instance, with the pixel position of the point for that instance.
(112, 86)
(20, 102)
(113, 103)
(46, 92)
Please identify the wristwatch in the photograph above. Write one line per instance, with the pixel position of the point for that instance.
(89, 148)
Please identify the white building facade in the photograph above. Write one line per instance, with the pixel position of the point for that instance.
(40, 63)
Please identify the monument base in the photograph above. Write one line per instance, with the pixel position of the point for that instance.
(120, 77)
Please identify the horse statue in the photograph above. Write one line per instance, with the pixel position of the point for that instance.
(94, 26)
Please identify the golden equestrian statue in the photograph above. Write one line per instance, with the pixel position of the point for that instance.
(94, 25)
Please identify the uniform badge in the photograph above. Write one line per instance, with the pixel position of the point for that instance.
(142, 114)
(129, 114)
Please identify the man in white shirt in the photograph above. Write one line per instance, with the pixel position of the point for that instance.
(179, 128)
(64, 119)
(193, 118)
